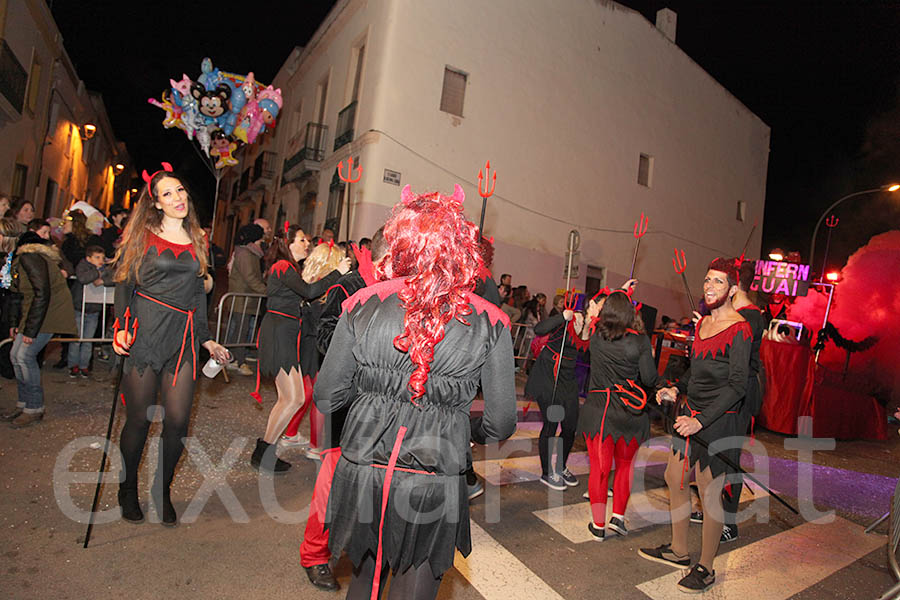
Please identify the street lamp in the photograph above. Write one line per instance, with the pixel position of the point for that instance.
(777, 255)
(119, 168)
(89, 130)
(885, 188)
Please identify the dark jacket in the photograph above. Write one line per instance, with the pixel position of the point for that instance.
(345, 287)
(73, 250)
(245, 277)
(46, 301)
(87, 274)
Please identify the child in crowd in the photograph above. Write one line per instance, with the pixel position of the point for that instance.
(90, 271)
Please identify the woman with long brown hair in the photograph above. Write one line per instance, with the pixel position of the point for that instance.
(279, 337)
(407, 356)
(77, 238)
(160, 325)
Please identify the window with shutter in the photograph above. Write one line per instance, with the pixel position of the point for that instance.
(454, 92)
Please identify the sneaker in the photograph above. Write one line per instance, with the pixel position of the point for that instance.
(73, 373)
(314, 453)
(85, 373)
(295, 441)
(599, 533)
(26, 419)
(587, 495)
(11, 415)
(569, 479)
(697, 580)
(244, 369)
(553, 481)
(729, 534)
(663, 554)
(617, 525)
(476, 489)
(697, 516)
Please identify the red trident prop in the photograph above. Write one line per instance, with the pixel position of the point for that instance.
(680, 265)
(831, 222)
(639, 394)
(117, 327)
(485, 178)
(348, 179)
(640, 228)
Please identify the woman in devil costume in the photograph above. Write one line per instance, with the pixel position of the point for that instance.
(715, 384)
(279, 338)
(407, 356)
(559, 406)
(160, 326)
(613, 419)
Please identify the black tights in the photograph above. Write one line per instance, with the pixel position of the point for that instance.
(414, 584)
(569, 423)
(140, 392)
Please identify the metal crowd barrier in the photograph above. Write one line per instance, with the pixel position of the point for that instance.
(893, 544)
(230, 337)
(93, 294)
(522, 335)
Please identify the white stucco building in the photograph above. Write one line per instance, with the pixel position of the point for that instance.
(58, 146)
(589, 113)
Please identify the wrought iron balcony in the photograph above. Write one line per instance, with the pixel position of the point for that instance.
(264, 169)
(13, 84)
(307, 159)
(344, 131)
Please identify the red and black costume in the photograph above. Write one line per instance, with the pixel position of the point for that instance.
(399, 496)
(749, 406)
(280, 332)
(715, 384)
(614, 420)
(539, 386)
(167, 313)
(314, 549)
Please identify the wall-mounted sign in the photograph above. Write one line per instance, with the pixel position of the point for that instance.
(790, 279)
(392, 177)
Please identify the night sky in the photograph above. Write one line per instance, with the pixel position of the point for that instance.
(823, 74)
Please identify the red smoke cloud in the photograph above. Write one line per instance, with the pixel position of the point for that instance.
(866, 303)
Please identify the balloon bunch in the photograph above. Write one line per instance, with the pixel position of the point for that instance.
(220, 110)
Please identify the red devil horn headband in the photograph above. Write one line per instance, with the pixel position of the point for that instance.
(166, 167)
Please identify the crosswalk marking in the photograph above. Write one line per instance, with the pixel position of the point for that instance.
(770, 568)
(498, 575)
(645, 508)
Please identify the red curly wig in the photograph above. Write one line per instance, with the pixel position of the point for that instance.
(729, 266)
(436, 249)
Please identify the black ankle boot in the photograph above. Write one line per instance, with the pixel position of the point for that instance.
(164, 508)
(131, 509)
(264, 459)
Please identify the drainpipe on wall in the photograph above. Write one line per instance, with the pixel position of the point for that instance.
(43, 141)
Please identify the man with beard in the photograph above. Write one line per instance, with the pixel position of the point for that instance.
(714, 386)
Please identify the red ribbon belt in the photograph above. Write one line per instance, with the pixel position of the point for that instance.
(391, 467)
(188, 325)
(255, 393)
(687, 440)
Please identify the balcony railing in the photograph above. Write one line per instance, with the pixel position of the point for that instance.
(307, 159)
(13, 79)
(344, 131)
(264, 169)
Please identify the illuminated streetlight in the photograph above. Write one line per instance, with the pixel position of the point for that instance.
(832, 276)
(891, 187)
(119, 168)
(89, 130)
(777, 255)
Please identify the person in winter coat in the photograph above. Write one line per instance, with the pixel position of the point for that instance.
(46, 310)
(245, 277)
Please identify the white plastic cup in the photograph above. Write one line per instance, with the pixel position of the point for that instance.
(212, 367)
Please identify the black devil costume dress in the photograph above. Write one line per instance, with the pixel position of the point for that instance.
(280, 331)
(622, 372)
(399, 489)
(169, 306)
(714, 384)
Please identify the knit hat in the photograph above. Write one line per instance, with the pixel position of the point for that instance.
(249, 234)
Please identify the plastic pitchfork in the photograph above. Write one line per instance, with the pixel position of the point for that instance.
(640, 228)
(831, 222)
(348, 179)
(680, 265)
(485, 193)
